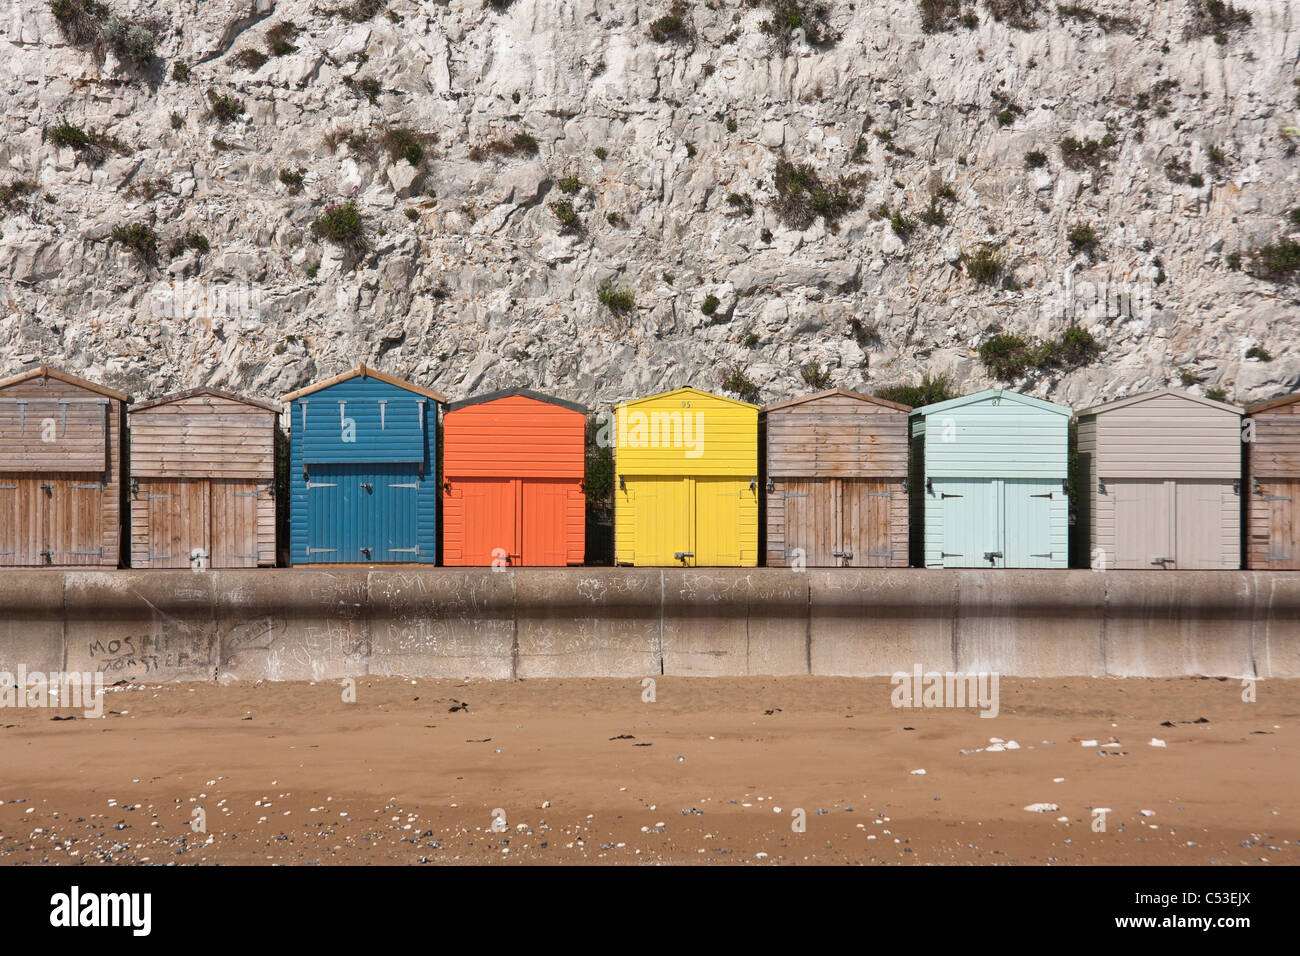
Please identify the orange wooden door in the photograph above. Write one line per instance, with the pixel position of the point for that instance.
(488, 520)
(545, 521)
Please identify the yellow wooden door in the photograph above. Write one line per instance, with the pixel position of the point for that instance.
(662, 523)
(726, 522)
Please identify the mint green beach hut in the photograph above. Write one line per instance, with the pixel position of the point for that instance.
(991, 489)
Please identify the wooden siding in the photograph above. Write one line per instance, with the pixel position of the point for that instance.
(231, 520)
(202, 437)
(686, 432)
(1275, 451)
(996, 437)
(1273, 489)
(835, 437)
(1167, 436)
(1026, 520)
(514, 437)
(62, 512)
(47, 434)
(864, 517)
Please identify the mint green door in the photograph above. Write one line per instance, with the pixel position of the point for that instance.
(970, 511)
(1028, 508)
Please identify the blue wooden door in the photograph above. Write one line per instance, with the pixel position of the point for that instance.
(971, 512)
(362, 513)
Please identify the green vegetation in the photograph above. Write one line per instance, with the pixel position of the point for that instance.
(1233, 260)
(750, 341)
(520, 143)
(1005, 117)
(279, 39)
(1278, 261)
(87, 23)
(815, 376)
(789, 18)
(411, 213)
(358, 12)
(138, 237)
(1082, 238)
(617, 298)
(1035, 159)
(600, 152)
(1009, 356)
(403, 143)
(928, 392)
(864, 333)
(292, 179)
(567, 217)
(801, 197)
(1018, 14)
(11, 191)
(732, 125)
(983, 265)
(367, 86)
(741, 203)
(613, 218)
(675, 25)
(903, 226)
(1215, 18)
(711, 303)
(224, 108)
(1187, 378)
(933, 215)
(1107, 22)
(181, 71)
(1216, 394)
(569, 184)
(93, 147)
(340, 223)
(938, 15)
(1259, 352)
(1080, 154)
(192, 241)
(741, 385)
(250, 59)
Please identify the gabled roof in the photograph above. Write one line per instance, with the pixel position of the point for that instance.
(204, 390)
(362, 372)
(508, 392)
(45, 371)
(842, 392)
(1003, 394)
(1160, 393)
(1273, 403)
(688, 390)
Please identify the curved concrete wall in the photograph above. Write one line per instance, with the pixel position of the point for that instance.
(322, 623)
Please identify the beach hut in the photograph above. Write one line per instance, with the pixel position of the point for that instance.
(513, 464)
(992, 489)
(686, 481)
(202, 491)
(363, 481)
(60, 471)
(835, 470)
(1164, 482)
(1273, 485)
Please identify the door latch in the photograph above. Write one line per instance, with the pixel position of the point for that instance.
(683, 555)
(847, 555)
(369, 486)
(990, 555)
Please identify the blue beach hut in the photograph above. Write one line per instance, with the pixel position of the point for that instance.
(363, 471)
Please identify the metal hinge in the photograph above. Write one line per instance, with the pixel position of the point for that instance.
(880, 494)
(321, 550)
(408, 484)
(8, 487)
(322, 484)
(1278, 557)
(944, 494)
(1048, 495)
(1047, 555)
(947, 554)
(415, 550)
(150, 557)
(1277, 498)
(247, 494)
(794, 494)
(254, 555)
(98, 551)
(149, 494)
(878, 554)
(98, 486)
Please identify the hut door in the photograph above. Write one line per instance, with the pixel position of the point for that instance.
(22, 516)
(72, 520)
(234, 523)
(393, 499)
(1027, 519)
(178, 521)
(1143, 524)
(662, 526)
(812, 520)
(1198, 533)
(719, 505)
(972, 523)
(1283, 529)
(864, 539)
(488, 520)
(544, 508)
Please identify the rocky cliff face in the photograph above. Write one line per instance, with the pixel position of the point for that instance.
(475, 274)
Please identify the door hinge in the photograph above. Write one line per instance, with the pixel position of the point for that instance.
(150, 494)
(880, 494)
(322, 484)
(794, 494)
(98, 486)
(878, 554)
(408, 484)
(151, 556)
(1278, 557)
(8, 487)
(1048, 495)
(1277, 498)
(254, 555)
(949, 554)
(98, 551)
(246, 494)
(415, 550)
(1047, 555)
(944, 494)
(321, 550)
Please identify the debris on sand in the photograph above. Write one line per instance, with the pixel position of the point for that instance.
(1042, 808)
(1157, 742)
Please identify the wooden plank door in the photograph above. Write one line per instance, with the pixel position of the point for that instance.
(487, 520)
(1283, 552)
(864, 506)
(1198, 530)
(1027, 522)
(812, 520)
(1144, 525)
(21, 522)
(719, 503)
(970, 510)
(233, 533)
(179, 520)
(663, 520)
(544, 511)
(74, 520)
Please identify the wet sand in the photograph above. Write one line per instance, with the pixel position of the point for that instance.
(713, 771)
